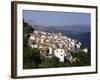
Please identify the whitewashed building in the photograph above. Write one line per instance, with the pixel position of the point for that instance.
(34, 46)
(32, 38)
(60, 53)
(85, 50)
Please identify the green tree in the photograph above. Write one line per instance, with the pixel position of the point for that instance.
(49, 63)
(27, 29)
(25, 40)
(84, 59)
(31, 58)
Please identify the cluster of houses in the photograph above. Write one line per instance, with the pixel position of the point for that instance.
(54, 44)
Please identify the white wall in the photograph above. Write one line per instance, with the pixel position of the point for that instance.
(5, 41)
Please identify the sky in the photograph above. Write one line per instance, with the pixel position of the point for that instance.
(52, 18)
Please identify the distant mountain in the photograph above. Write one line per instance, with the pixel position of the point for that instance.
(74, 28)
(40, 27)
(84, 38)
(78, 28)
(78, 32)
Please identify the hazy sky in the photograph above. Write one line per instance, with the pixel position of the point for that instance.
(51, 18)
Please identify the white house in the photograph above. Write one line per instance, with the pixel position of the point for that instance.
(60, 53)
(78, 46)
(43, 32)
(34, 46)
(53, 45)
(50, 50)
(43, 36)
(60, 45)
(47, 40)
(32, 38)
(42, 40)
(36, 32)
(72, 43)
(85, 50)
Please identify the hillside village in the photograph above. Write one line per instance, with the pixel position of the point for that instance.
(55, 44)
